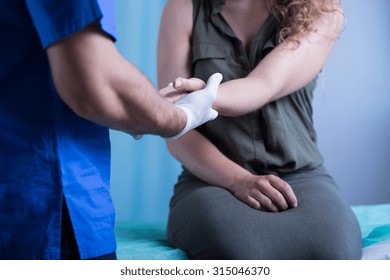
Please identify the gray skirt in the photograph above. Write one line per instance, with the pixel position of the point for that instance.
(208, 222)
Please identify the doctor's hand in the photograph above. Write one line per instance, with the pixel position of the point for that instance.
(265, 193)
(197, 105)
(173, 92)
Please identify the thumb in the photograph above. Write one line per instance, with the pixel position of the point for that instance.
(213, 82)
(213, 114)
(191, 84)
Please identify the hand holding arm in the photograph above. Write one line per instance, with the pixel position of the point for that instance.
(197, 105)
(173, 93)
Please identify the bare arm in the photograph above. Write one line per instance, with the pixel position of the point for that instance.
(284, 70)
(98, 84)
(204, 160)
(193, 150)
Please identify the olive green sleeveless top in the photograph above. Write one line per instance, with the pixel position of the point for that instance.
(279, 137)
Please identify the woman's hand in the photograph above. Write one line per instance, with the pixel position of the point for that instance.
(265, 193)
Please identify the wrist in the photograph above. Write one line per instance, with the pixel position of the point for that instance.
(182, 122)
(238, 179)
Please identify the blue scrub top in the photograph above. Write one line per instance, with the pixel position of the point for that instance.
(46, 151)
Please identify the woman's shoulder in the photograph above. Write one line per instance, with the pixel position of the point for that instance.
(179, 5)
(178, 14)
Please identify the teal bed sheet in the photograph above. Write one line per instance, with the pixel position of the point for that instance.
(374, 223)
(145, 242)
(148, 241)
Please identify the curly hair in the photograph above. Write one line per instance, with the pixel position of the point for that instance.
(296, 16)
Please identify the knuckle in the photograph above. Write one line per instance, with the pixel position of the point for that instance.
(267, 202)
(279, 197)
(261, 182)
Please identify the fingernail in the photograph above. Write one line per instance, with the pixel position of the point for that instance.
(178, 83)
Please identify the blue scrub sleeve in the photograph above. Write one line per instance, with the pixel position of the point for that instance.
(57, 19)
(108, 21)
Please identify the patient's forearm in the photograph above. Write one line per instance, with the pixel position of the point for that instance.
(205, 161)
